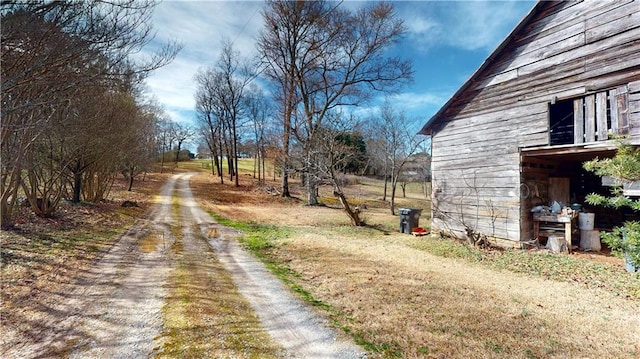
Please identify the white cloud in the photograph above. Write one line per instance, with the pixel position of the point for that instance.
(467, 25)
(200, 26)
(413, 104)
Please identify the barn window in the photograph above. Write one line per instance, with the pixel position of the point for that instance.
(561, 126)
(590, 118)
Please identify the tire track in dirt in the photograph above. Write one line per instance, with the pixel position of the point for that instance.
(124, 314)
(301, 332)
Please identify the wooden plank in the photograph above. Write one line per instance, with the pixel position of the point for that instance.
(613, 111)
(486, 185)
(564, 15)
(634, 108)
(498, 79)
(559, 190)
(582, 52)
(534, 140)
(611, 13)
(528, 90)
(564, 23)
(559, 48)
(589, 119)
(621, 57)
(469, 137)
(613, 27)
(601, 116)
(578, 121)
(622, 109)
(634, 86)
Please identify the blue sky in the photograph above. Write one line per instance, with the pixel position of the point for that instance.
(446, 41)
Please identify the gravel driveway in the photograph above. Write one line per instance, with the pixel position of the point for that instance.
(114, 310)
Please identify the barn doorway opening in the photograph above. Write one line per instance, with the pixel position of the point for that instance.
(548, 174)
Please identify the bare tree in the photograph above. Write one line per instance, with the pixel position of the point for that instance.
(140, 153)
(208, 116)
(333, 155)
(285, 49)
(181, 134)
(399, 141)
(164, 135)
(258, 110)
(222, 94)
(336, 59)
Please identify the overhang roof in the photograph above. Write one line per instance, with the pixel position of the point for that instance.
(427, 128)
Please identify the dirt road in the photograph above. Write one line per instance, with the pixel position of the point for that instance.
(114, 310)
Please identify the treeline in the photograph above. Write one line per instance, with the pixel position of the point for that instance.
(316, 60)
(72, 111)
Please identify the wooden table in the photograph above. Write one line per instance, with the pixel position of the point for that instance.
(566, 219)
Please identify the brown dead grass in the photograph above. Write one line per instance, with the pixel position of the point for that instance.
(400, 301)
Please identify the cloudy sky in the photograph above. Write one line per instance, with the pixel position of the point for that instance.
(446, 41)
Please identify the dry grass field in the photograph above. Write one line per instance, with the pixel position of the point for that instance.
(398, 299)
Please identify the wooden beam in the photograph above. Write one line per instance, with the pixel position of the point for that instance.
(601, 116)
(613, 107)
(622, 105)
(590, 119)
(578, 121)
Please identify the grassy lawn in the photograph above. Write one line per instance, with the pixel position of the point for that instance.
(387, 289)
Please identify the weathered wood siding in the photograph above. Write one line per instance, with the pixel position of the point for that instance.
(565, 50)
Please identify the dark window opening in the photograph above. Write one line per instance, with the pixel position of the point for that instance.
(594, 117)
(561, 123)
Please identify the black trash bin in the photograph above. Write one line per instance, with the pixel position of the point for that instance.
(409, 218)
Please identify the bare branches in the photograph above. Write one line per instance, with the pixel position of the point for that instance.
(221, 101)
(67, 63)
(322, 57)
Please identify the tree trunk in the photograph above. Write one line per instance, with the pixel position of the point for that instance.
(393, 196)
(384, 193)
(178, 151)
(162, 158)
(264, 168)
(286, 138)
(130, 180)
(77, 186)
(312, 190)
(256, 164)
(311, 180)
(354, 215)
(235, 154)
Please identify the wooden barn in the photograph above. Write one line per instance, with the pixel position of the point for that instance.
(551, 96)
